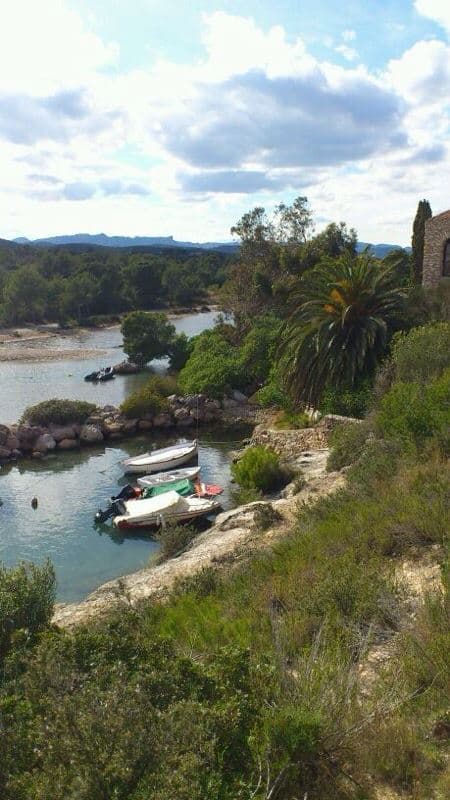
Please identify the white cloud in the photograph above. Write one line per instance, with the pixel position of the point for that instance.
(422, 74)
(436, 10)
(349, 35)
(349, 53)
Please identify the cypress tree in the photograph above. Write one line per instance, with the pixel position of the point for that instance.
(418, 239)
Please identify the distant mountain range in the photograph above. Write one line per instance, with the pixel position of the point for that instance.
(101, 240)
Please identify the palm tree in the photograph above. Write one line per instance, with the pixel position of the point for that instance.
(343, 312)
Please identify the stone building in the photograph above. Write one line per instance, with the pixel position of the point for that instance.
(436, 257)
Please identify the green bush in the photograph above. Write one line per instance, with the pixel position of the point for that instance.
(146, 335)
(174, 541)
(163, 384)
(27, 597)
(411, 412)
(58, 412)
(348, 403)
(270, 395)
(347, 444)
(423, 353)
(213, 368)
(145, 401)
(259, 469)
(180, 350)
(296, 420)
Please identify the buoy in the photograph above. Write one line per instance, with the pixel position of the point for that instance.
(34, 502)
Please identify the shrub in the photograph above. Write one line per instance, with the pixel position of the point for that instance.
(180, 350)
(259, 468)
(347, 444)
(349, 403)
(174, 540)
(145, 401)
(422, 354)
(270, 395)
(213, 367)
(58, 412)
(293, 419)
(163, 384)
(27, 596)
(412, 413)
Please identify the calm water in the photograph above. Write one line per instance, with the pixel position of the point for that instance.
(70, 487)
(24, 383)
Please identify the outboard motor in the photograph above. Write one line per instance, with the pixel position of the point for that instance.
(116, 508)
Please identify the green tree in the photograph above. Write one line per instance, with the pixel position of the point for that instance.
(25, 295)
(337, 333)
(147, 335)
(418, 238)
(27, 596)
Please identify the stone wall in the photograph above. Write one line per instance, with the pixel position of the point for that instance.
(292, 443)
(437, 232)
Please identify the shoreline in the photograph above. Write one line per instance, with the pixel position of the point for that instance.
(12, 338)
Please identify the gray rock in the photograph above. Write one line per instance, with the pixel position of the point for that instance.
(185, 422)
(239, 397)
(44, 443)
(112, 429)
(60, 432)
(5, 453)
(180, 414)
(4, 433)
(12, 442)
(130, 425)
(145, 424)
(67, 444)
(91, 433)
(162, 421)
(228, 402)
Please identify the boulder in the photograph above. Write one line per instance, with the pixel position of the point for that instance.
(44, 443)
(4, 433)
(5, 453)
(112, 429)
(12, 442)
(185, 422)
(91, 433)
(27, 435)
(67, 444)
(180, 414)
(145, 424)
(229, 402)
(212, 407)
(162, 421)
(60, 432)
(129, 425)
(239, 397)
(198, 413)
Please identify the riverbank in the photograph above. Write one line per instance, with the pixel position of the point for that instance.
(13, 339)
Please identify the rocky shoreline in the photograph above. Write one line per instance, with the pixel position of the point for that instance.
(107, 424)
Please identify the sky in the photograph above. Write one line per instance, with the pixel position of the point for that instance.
(175, 117)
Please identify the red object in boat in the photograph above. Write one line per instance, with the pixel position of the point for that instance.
(207, 490)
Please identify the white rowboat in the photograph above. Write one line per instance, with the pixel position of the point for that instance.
(164, 509)
(164, 459)
(160, 478)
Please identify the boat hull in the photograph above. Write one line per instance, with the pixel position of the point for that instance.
(159, 479)
(140, 466)
(161, 520)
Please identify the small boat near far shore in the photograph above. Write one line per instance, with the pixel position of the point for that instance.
(167, 458)
(160, 478)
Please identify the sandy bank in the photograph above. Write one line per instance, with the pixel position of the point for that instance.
(47, 354)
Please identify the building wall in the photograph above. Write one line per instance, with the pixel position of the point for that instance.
(437, 232)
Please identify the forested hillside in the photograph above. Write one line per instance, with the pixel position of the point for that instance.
(75, 282)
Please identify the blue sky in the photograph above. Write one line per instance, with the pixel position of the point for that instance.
(157, 118)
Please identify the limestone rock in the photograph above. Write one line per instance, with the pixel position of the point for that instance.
(239, 397)
(12, 442)
(5, 453)
(145, 424)
(180, 414)
(67, 444)
(60, 432)
(129, 425)
(4, 433)
(162, 421)
(44, 443)
(91, 433)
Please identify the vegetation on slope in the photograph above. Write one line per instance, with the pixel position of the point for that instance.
(252, 685)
